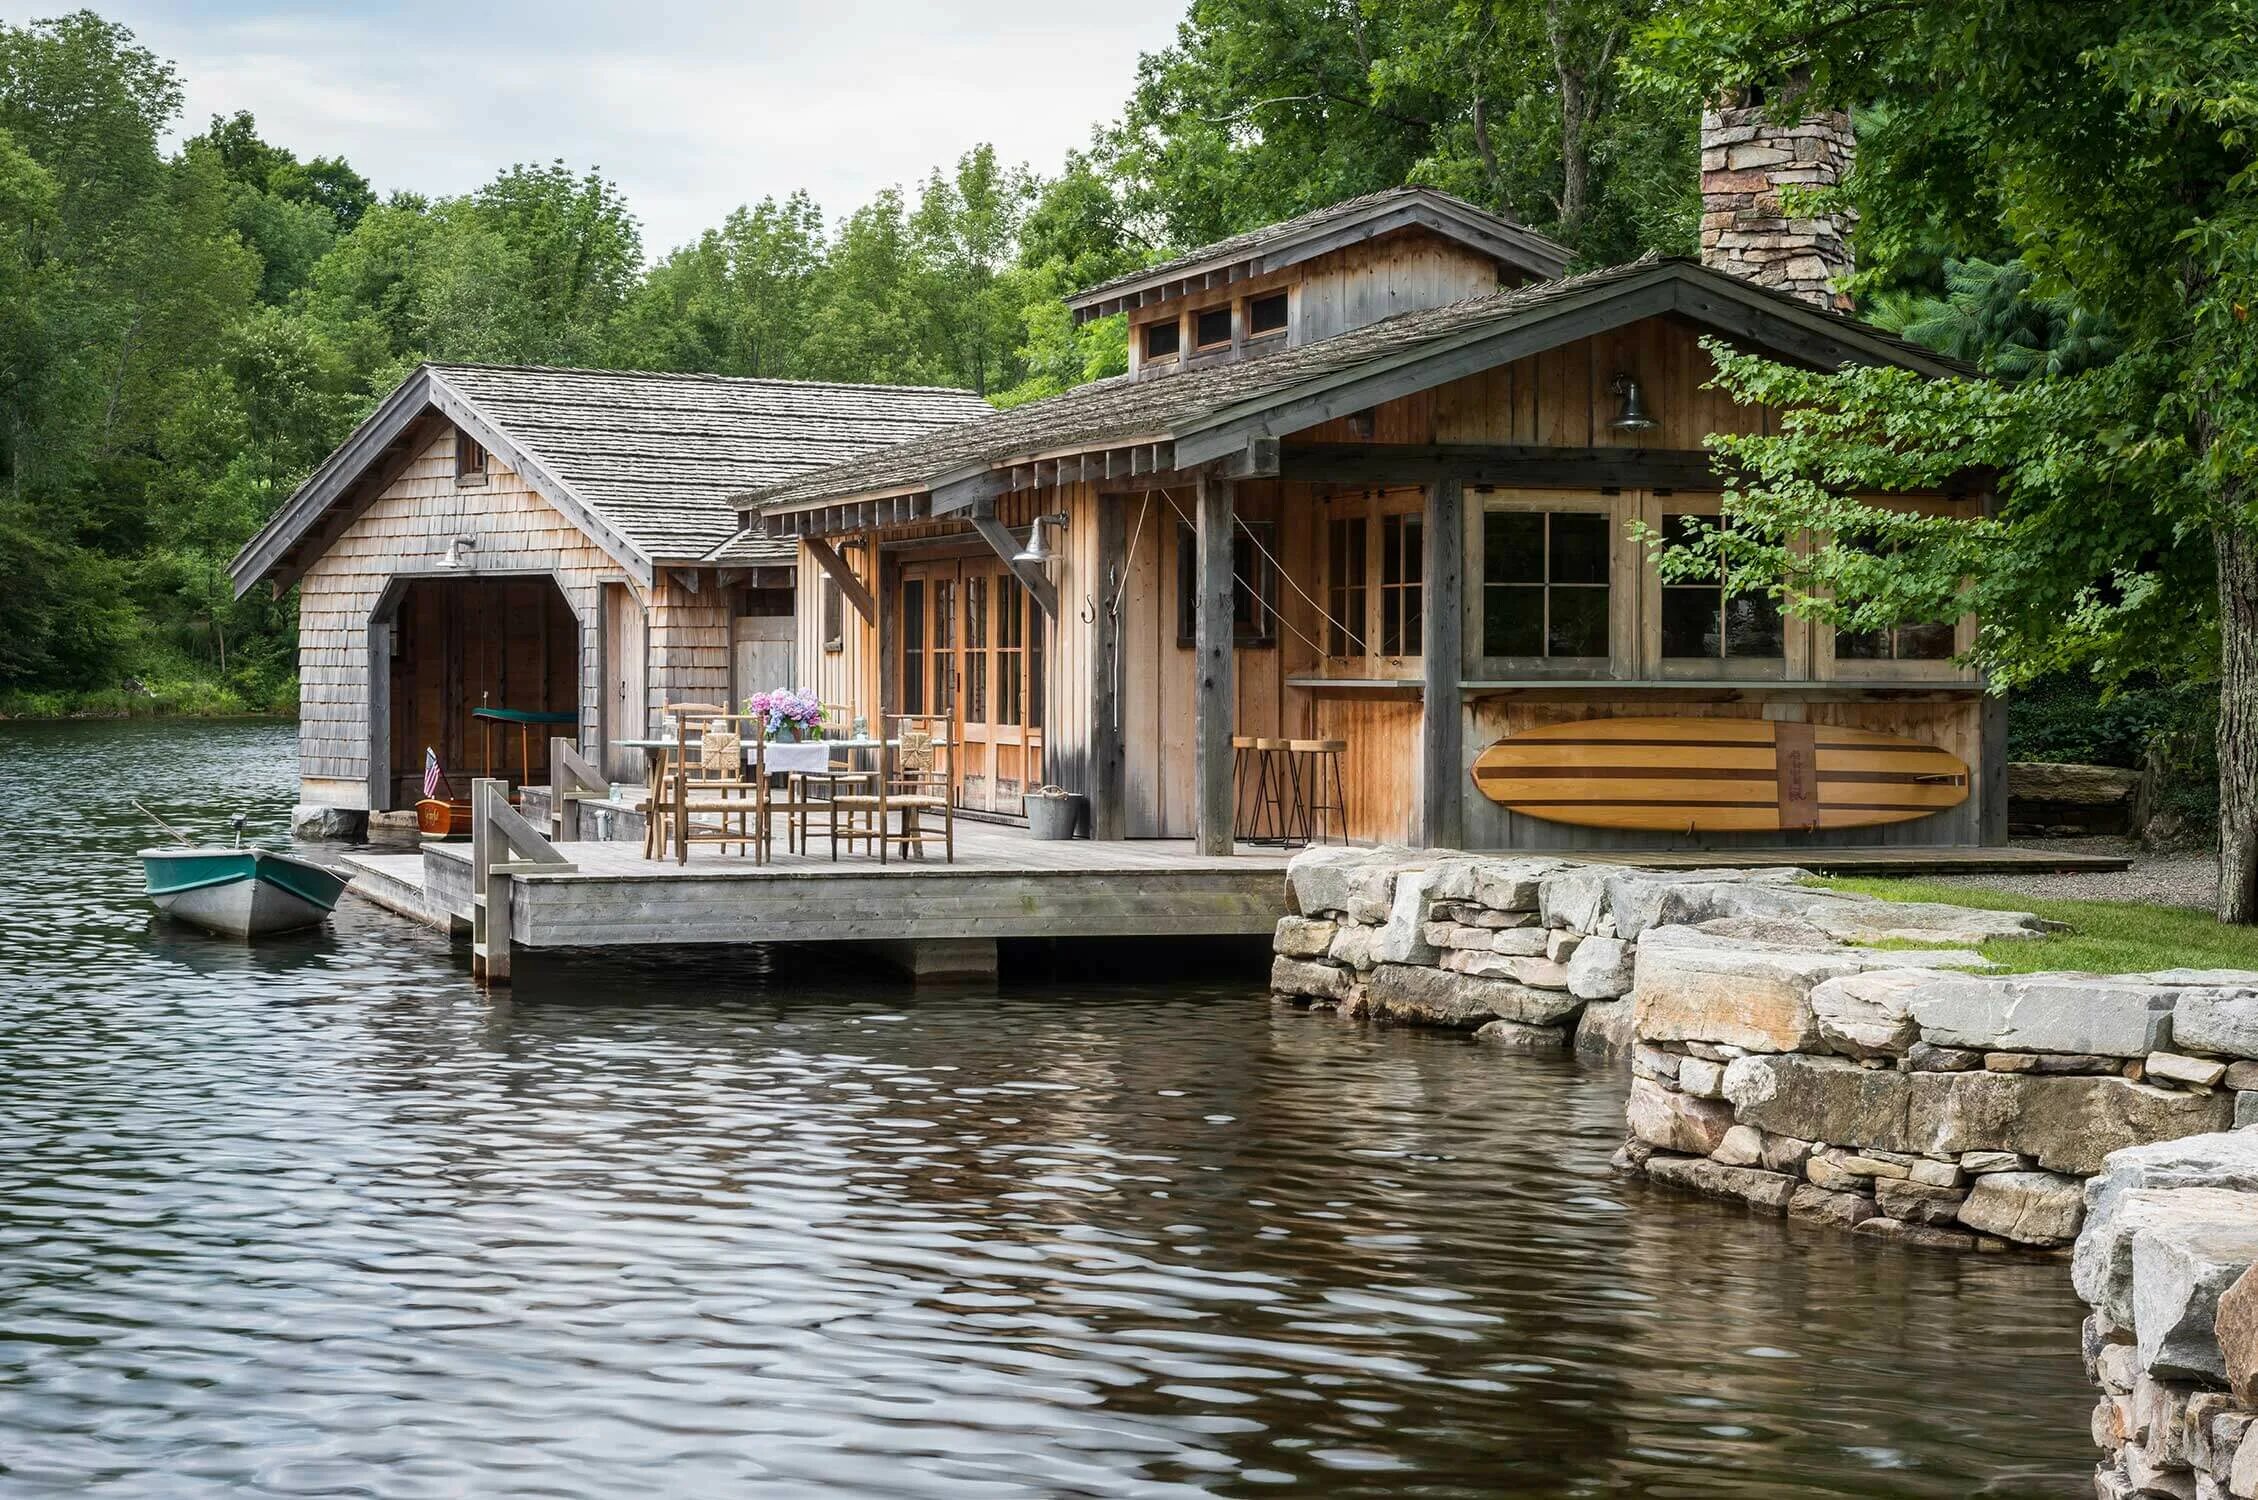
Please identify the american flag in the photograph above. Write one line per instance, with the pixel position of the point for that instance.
(430, 772)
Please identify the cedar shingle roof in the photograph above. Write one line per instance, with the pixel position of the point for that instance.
(1274, 246)
(644, 462)
(1124, 410)
(657, 455)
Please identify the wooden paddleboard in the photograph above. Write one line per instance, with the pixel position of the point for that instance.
(1718, 775)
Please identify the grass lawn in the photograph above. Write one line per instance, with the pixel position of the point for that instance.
(2105, 937)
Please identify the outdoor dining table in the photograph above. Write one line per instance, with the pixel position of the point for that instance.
(782, 757)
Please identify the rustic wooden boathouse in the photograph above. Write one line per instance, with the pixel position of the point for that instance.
(1371, 477)
(539, 540)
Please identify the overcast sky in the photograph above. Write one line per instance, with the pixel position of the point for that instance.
(693, 108)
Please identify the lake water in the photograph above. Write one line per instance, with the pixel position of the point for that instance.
(322, 1219)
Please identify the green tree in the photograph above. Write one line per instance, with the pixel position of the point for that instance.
(1268, 108)
(736, 302)
(2109, 143)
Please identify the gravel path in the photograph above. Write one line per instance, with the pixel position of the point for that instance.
(2177, 879)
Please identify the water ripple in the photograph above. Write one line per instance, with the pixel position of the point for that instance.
(319, 1219)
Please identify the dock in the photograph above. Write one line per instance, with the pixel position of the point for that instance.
(929, 915)
(932, 918)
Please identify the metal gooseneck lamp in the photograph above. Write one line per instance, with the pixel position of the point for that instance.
(1038, 550)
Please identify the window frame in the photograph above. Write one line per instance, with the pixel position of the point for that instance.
(1175, 327)
(1827, 666)
(1229, 314)
(1262, 634)
(1370, 512)
(1284, 298)
(1791, 665)
(472, 461)
(834, 617)
(1623, 565)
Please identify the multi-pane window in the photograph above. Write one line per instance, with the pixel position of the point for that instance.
(1545, 583)
(1403, 572)
(1702, 621)
(1254, 584)
(1011, 639)
(913, 645)
(976, 650)
(1930, 642)
(1375, 572)
(1345, 561)
(944, 646)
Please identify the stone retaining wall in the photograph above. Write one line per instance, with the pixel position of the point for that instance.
(1829, 1056)
(2165, 1261)
(1517, 951)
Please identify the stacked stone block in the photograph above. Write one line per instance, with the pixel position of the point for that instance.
(1957, 1110)
(2166, 1262)
(1748, 229)
(1513, 950)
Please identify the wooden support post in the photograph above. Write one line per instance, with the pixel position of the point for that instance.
(850, 587)
(572, 780)
(489, 891)
(1991, 738)
(498, 831)
(1442, 823)
(1215, 702)
(1109, 761)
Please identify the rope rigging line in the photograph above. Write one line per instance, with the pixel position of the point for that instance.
(1254, 593)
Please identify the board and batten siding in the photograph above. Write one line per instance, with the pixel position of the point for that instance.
(403, 535)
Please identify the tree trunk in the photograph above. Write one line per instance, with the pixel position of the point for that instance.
(2237, 547)
(1575, 113)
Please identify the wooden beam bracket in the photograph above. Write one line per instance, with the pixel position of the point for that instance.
(1006, 546)
(850, 587)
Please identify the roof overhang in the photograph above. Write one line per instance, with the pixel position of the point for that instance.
(1771, 320)
(1509, 245)
(374, 455)
(1243, 437)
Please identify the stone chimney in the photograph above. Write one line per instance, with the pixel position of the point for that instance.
(1746, 159)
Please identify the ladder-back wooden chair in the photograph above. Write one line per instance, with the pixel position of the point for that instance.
(708, 779)
(916, 783)
(658, 794)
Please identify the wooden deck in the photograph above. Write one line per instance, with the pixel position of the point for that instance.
(1003, 884)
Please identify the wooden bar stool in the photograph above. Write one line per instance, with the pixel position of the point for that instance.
(1242, 784)
(1277, 792)
(1323, 803)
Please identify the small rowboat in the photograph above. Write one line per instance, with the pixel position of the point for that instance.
(241, 893)
(238, 892)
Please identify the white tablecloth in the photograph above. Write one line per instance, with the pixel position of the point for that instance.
(808, 755)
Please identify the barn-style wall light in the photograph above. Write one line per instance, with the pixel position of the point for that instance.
(1632, 417)
(1037, 550)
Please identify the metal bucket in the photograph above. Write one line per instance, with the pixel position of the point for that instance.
(1055, 816)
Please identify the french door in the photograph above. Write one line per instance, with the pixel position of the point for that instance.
(972, 654)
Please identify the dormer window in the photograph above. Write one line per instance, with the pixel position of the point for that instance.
(1212, 328)
(1162, 340)
(1266, 315)
(470, 459)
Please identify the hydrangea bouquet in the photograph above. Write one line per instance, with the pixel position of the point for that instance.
(788, 714)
